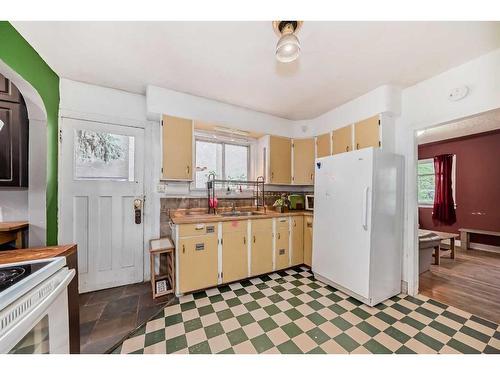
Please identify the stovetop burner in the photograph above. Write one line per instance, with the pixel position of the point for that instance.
(12, 274)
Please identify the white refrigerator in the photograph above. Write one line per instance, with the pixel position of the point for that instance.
(358, 223)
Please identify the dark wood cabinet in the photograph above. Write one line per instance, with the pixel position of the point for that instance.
(14, 135)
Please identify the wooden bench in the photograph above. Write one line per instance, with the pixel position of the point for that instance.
(465, 236)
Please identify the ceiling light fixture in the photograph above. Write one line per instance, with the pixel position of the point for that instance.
(288, 47)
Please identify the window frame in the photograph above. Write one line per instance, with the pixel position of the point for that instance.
(218, 139)
(453, 180)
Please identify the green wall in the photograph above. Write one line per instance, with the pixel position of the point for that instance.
(17, 53)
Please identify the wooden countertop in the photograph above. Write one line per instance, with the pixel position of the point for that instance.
(195, 216)
(7, 226)
(21, 255)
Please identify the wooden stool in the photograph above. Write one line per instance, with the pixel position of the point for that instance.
(162, 284)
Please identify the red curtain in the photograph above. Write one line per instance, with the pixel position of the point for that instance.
(444, 207)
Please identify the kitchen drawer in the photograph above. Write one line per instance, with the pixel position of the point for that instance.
(282, 222)
(234, 226)
(187, 230)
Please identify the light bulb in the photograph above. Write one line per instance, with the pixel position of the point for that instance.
(288, 48)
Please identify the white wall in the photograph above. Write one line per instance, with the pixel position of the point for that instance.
(384, 99)
(425, 105)
(13, 204)
(37, 170)
(97, 102)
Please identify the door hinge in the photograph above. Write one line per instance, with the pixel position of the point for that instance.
(60, 135)
(379, 122)
(222, 275)
(220, 241)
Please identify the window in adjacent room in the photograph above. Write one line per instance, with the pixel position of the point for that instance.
(228, 160)
(425, 181)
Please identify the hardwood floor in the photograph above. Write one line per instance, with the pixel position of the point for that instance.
(470, 282)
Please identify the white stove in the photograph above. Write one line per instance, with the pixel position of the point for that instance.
(34, 306)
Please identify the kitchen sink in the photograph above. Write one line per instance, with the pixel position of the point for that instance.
(242, 213)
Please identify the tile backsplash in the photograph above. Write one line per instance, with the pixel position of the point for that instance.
(191, 202)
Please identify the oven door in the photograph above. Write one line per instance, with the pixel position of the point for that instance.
(44, 328)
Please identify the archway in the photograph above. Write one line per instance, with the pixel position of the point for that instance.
(37, 160)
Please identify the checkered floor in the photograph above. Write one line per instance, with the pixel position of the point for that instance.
(290, 312)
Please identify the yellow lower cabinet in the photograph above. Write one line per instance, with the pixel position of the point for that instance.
(282, 255)
(198, 258)
(297, 240)
(234, 251)
(308, 228)
(262, 247)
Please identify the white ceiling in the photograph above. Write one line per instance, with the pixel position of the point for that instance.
(473, 125)
(234, 62)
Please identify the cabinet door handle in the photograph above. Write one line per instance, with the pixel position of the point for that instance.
(279, 235)
(347, 148)
(357, 146)
(188, 169)
(272, 176)
(253, 239)
(244, 240)
(294, 223)
(312, 176)
(183, 249)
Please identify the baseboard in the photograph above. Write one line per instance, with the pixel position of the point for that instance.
(404, 287)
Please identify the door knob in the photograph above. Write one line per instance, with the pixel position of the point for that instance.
(138, 210)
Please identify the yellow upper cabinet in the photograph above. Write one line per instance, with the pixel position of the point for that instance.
(323, 145)
(177, 136)
(303, 161)
(280, 160)
(342, 140)
(366, 133)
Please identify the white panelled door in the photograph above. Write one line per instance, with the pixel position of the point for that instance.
(101, 189)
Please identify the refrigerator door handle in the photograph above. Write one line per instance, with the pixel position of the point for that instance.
(365, 208)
